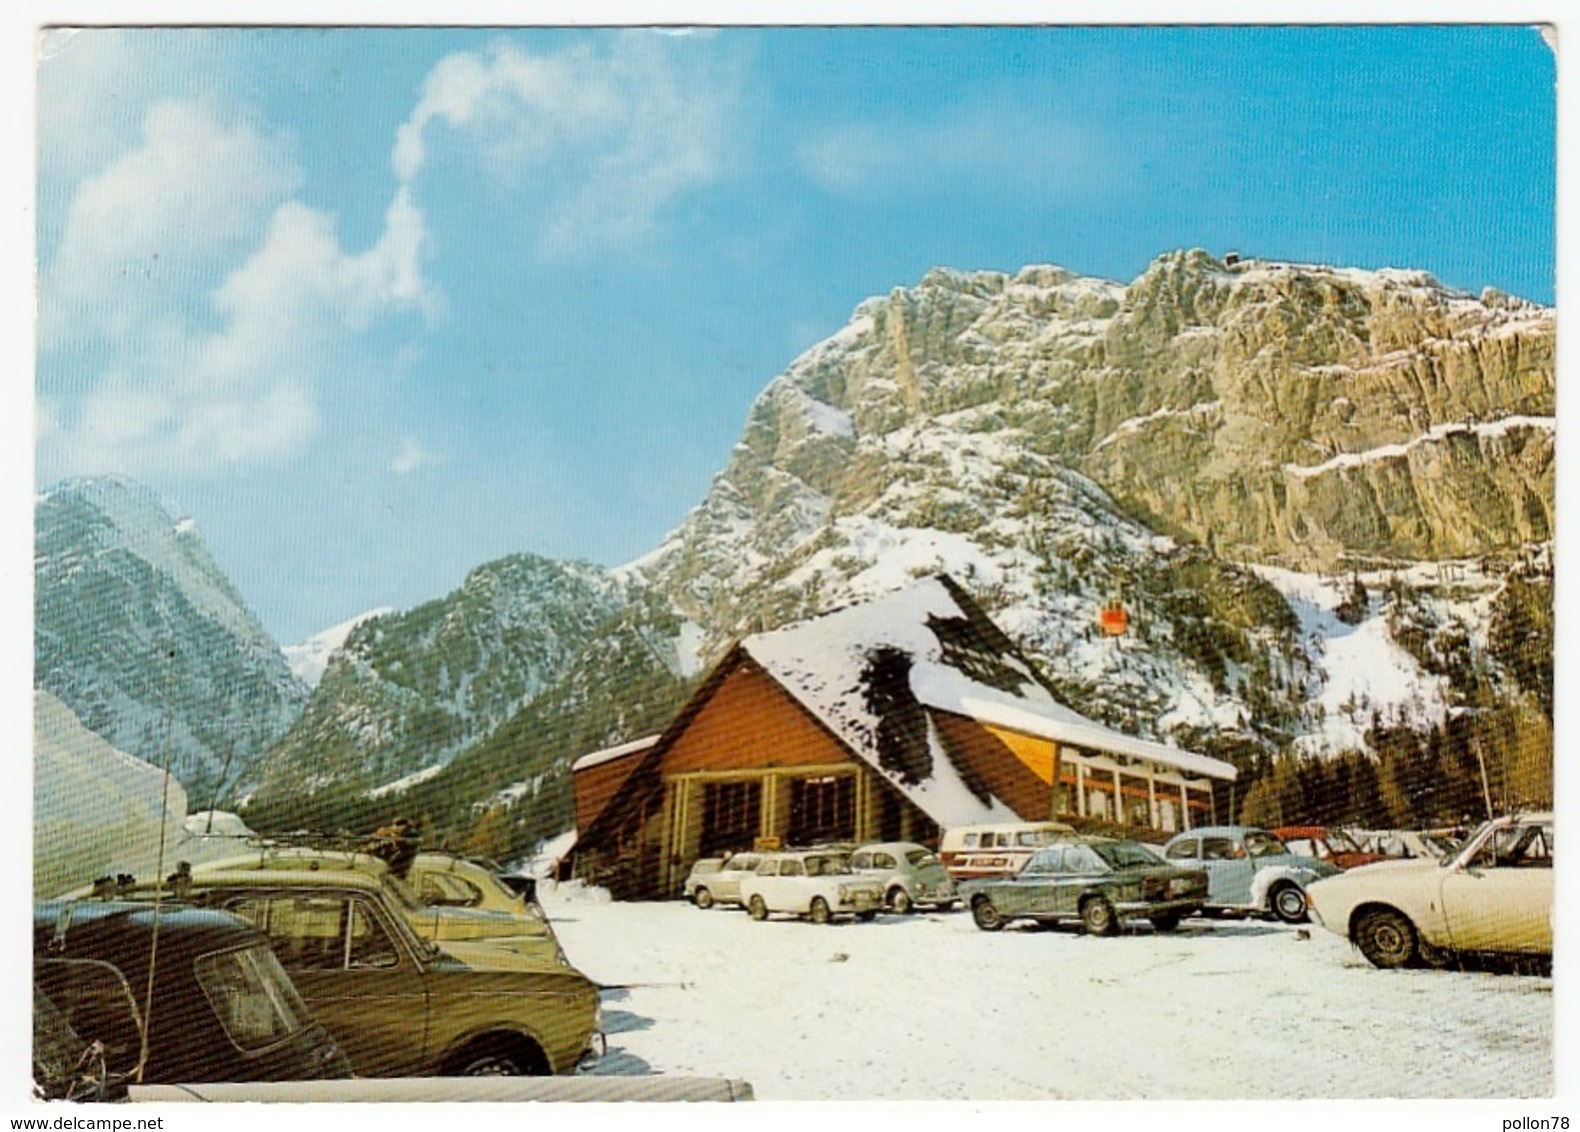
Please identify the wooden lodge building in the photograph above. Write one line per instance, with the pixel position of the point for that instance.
(889, 720)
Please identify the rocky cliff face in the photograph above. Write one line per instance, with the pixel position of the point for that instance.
(140, 633)
(1180, 444)
(1057, 441)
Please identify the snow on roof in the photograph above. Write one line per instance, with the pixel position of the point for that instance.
(1002, 711)
(867, 670)
(609, 754)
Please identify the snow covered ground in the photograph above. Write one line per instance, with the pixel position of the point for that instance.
(928, 1008)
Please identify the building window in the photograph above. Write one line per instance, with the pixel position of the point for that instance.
(730, 816)
(822, 809)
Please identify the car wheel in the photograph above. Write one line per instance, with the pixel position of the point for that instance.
(1097, 916)
(756, 909)
(702, 898)
(1387, 938)
(1165, 922)
(986, 916)
(1288, 902)
(819, 912)
(496, 1058)
(900, 901)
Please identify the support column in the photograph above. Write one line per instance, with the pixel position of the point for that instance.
(1080, 789)
(1053, 785)
(1152, 797)
(1119, 800)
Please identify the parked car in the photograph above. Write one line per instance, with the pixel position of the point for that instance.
(1495, 896)
(500, 919)
(1102, 882)
(816, 884)
(995, 849)
(402, 1005)
(219, 1006)
(1325, 843)
(717, 880)
(1249, 871)
(911, 875)
(450, 880)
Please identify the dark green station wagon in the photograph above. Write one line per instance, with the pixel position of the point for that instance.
(1102, 882)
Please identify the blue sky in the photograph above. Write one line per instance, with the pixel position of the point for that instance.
(377, 306)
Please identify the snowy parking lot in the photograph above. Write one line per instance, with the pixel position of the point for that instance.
(928, 1008)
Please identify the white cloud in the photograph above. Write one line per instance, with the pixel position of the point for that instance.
(167, 355)
(610, 136)
(412, 456)
(161, 220)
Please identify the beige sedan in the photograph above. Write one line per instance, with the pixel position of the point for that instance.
(1494, 896)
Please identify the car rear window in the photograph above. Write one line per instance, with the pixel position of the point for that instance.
(251, 996)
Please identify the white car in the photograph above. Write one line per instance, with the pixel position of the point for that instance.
(817, 884)
(717, 880)
(1494, 896)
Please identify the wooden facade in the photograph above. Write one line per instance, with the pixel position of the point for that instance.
(752, 768)
(913, 712)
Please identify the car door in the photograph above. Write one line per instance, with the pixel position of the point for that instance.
(352, 967)
(1501, 898)
(788, 892)
(1229, 870)
(1033, 890)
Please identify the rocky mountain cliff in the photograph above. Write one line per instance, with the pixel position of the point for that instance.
(1254, 459)
(141, 634)
(1057, 442)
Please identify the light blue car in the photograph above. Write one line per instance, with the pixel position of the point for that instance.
(1249, 871)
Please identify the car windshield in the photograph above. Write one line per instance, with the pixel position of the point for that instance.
(829, 866)
(916, 858)
(1261, 844)
(403, 893)
(252, 996)
(1124, 854)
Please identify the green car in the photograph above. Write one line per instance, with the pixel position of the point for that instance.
(1102, 882)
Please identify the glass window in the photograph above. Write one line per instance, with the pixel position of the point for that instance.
(95, 1001)
(1082, 859)
(369, 944)
(1046, 861)
(769, 868)
(791, 868)
(884, 861)
(255, 1002)
(861, 861)
(1183, 850)
(971, 841)
(449, 890)
(1261, 844)
(1220, 849)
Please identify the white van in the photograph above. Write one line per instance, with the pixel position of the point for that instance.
(997, 849)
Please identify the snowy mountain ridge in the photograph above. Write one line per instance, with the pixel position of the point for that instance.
(1227, 451)
(140, 632)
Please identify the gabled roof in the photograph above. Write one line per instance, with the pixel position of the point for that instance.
(872, 675)
(867, 671)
